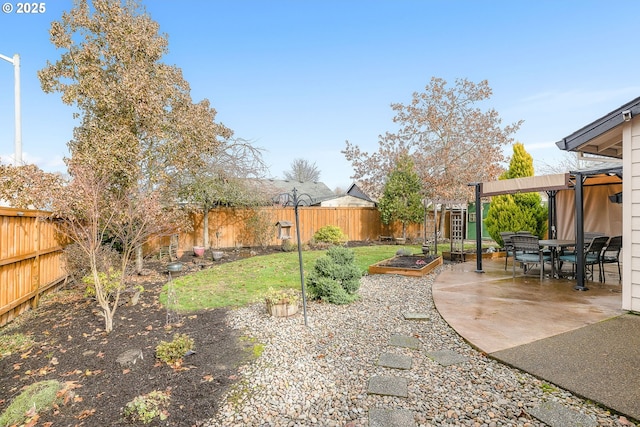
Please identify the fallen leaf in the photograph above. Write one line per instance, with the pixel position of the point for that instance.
(125, 371)
(86, 414)
(207, 378)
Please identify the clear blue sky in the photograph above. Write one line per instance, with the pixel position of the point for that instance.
(301, 77)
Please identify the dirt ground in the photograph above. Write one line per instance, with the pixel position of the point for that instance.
(71, 346)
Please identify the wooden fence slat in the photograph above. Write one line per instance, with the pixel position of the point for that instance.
(30, 260)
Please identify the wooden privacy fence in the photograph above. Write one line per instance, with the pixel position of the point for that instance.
(31, 260)
(235, 227)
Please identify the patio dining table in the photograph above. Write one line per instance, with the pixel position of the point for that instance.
(555, 245)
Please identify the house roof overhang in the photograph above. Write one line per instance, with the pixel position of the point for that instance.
(602, 137)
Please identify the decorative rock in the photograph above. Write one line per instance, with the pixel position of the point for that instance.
(391, 418)
(415, 316)
(446, 357)
(404, 341)
(388, 386)
(397, 361)
(129, 358)
(556, 415)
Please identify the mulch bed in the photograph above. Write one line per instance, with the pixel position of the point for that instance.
(71, 346)
(408, 261)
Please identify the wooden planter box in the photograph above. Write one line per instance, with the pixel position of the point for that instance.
(282, 310)
(382, 267)
(470, 256)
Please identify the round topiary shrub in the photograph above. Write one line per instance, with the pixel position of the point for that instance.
(335, 278)
(330, 234)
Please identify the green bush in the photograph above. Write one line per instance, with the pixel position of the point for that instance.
(147, 407)
(172, 352)
(335, 277)
(330, 234)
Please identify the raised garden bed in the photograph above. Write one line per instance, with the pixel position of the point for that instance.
(407, 265)
(470, 255)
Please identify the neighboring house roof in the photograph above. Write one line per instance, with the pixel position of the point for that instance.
(355, 191)
(317, 191)
(603, 137)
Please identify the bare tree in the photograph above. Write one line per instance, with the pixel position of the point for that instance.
(222, 179)
(451, 140)
(568, 162)
(303, 171)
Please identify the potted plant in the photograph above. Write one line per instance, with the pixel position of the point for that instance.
(282, 302)
(198, 251)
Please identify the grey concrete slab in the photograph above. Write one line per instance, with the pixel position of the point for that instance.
(404, 341)
(391, 418)
(446, 357)
(554, 414)
(388, 386)
(415, 316)
(600, 362)
(396, 361)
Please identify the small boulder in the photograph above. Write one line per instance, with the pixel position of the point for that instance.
(129, 357)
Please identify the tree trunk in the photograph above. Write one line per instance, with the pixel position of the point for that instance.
(108, 319)
(205, 225)
(139, 259)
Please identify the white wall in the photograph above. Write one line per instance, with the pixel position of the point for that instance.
(631, 216)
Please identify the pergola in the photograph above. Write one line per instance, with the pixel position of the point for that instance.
(551, 184)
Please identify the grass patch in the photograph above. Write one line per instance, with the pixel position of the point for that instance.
(13, 343)
(37, 397)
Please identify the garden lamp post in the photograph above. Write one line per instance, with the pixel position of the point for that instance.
(296, 200)
(18, 129)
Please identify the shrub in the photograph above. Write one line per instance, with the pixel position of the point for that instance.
(335, 277)
(147, 407)
(109, 280)
(330, 234)
(172, 352)
(288, 246)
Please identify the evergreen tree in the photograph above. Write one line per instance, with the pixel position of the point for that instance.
(402, 196)
(520, 211)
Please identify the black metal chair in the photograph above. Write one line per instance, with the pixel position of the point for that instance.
(592, 256)
(527, 251)
(611, 255)
(508, 246)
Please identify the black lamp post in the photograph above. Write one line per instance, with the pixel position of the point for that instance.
(294, 199)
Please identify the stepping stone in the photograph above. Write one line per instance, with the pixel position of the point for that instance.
(415, 316)
(391, 418)
(446, 357)
(388, 386)
(396, 361)
(555, 415)
(404, 341)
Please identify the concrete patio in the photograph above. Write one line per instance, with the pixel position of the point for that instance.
(581, 341)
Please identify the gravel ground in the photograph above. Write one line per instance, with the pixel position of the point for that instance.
(318, 374)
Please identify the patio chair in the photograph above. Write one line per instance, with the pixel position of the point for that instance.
(508, 246)
(592, 256)
(611, 255)
(527, 251)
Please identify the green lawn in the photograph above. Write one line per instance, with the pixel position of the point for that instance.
(245, 281)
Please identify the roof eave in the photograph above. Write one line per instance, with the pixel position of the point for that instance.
(598, 127)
